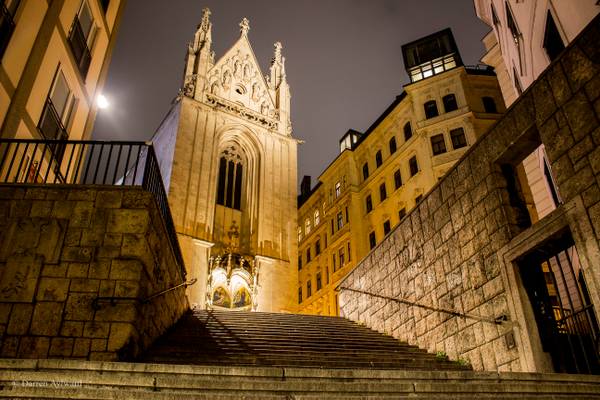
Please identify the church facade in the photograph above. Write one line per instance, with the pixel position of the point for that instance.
(228, 159)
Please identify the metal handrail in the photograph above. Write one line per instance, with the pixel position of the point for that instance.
(114, 299)
(497, 321)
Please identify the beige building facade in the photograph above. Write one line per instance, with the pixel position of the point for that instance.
(54, 61)
(525, 37)
(229, 161)
(380, 175)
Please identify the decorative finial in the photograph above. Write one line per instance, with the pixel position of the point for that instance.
(244, 26)
(205, 18)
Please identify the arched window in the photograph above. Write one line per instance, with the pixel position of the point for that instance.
(392, 145)
(378, 158)
(231, 173)
(407, 131)
(317, 217)
(449, 102)
(430, 109)
(307, 226)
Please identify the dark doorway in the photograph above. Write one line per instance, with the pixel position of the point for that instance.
(561, 304)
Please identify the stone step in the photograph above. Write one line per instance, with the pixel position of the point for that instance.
(65, 379)
(248, 338)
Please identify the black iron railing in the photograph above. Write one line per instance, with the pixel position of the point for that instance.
(85, 162)
(79, 47)
(7, 26)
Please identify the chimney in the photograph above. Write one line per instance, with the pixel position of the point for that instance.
(305, 186)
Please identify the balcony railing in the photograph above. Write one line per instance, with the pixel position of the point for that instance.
(85, 162)
(52, 128)
(79, 47)
(7, 26)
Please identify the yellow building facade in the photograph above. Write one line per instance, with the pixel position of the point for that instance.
(54, 61)
(382, 173)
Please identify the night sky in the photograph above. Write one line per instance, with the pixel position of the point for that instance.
(343, 60)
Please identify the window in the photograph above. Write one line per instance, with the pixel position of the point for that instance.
(430, 109)
(402, 213)
(517, 83)
(307, 226)
(397, 179)
(338, 189)
(347, 217)
(553, 43)
(319, 284)
(489, 105)
(386, 227)
(333, 262)
(365, 171)
(369, 203)
(449, 103)
(392, 144)
(418, 198)
(299, 234)
(349, 255)
(378, 158)
(332, 231)
(231, 172)
(318, 247)
(81, 37)
(299, 262)
(407, 131)
(57, 113)
(308, 289)
(300, 295)
(495, 19)
(340, 221)
(308, 255)
(341, 256)
(326, 275)
(438, 145)
(413, 166)
(372, 240)
(458, 138)
(8, 9)
(516, 35)
(317, 218)
(382, 192)
(104, 5)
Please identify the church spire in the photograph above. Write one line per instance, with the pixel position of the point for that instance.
(203, 36)
(244, 27)
(199, 56)
(277, 67)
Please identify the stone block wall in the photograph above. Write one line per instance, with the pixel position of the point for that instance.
(451, 251)
(65, 248)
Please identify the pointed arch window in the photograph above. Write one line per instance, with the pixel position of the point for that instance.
(231, 173)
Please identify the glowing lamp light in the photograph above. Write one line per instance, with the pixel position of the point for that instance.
(102, 101)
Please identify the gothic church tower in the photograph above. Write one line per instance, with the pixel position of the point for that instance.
(229, 162)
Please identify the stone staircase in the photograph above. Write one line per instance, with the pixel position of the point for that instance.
(71, 379)
(235, 355)
(285, 340)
